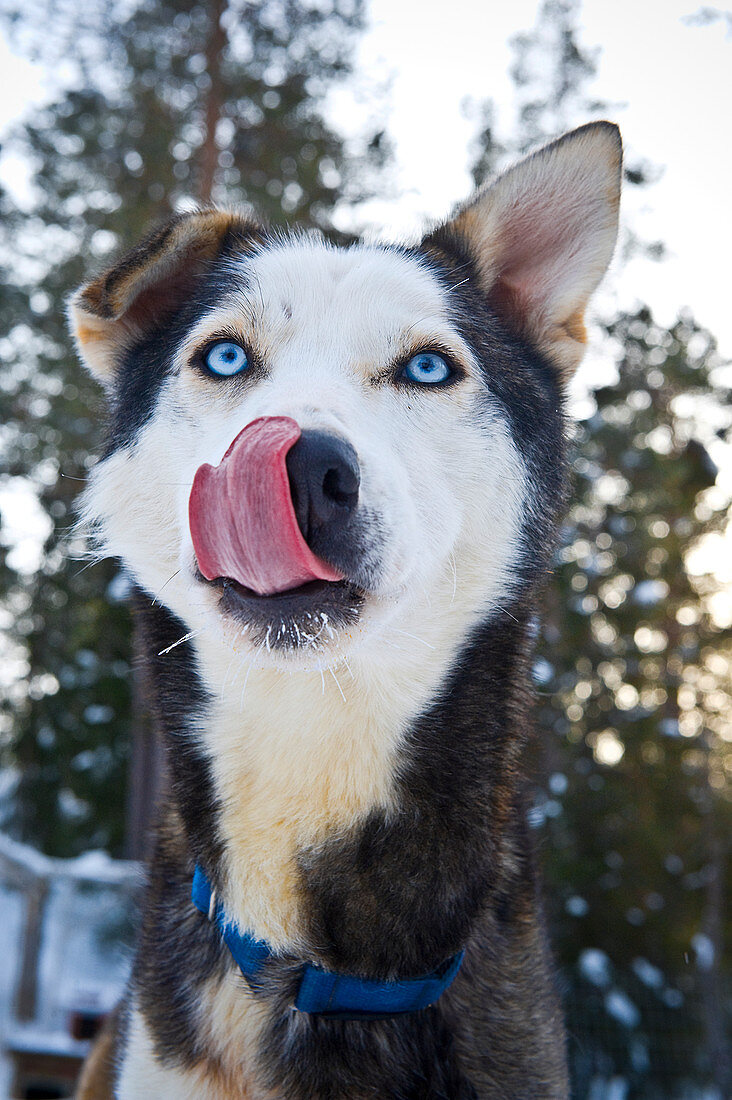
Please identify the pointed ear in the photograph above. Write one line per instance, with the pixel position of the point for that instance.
(542, 235)
(147, 285)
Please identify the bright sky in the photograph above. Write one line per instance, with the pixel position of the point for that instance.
(672, 82)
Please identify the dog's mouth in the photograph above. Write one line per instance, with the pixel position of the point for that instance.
(266, 525)
(308, 616)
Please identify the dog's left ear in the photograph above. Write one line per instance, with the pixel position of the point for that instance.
(542, 235)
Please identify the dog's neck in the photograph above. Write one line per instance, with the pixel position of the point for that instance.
(267, 765)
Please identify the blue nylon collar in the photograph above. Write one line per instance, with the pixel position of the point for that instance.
(340, 996)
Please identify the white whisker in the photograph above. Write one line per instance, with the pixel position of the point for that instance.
(330, 670)
(453, 566)
(156, 598)
(462, 283)
(414, 637)
(244, 685)
(226, 676)
(185, 638)
(89, 564)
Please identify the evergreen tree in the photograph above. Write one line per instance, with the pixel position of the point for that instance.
(173, 103)
(634, 705)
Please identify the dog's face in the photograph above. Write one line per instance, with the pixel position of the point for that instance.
(313, 446)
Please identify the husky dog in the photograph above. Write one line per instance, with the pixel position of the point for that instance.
(335, 476)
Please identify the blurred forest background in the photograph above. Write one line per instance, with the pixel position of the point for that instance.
(179, 102)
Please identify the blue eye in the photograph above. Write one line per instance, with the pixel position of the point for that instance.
(428, 368)
(226, 358)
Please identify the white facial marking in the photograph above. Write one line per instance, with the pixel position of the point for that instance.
(444, 485)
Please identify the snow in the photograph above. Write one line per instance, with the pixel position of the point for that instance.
(621, 1008)
(669, 727)
(649, 974)
(576, 906)
(650, 592)
(558, 783)
(24, 858)
(602, 1089)
(704, 949)
(535, 817)
(97, 714)
(639, 1056)
(119, 588)
(542, 671)
(28, 1037)
(92, 866)
(595, 966)
(674, 998)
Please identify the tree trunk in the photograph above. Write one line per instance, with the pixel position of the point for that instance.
(710, 976)
(146, 769)
(27, 994)
(214, 50)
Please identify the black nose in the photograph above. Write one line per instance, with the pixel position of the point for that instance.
(324, 480)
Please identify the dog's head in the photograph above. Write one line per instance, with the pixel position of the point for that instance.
(310, 445)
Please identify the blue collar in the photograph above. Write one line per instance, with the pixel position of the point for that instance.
(339, 996)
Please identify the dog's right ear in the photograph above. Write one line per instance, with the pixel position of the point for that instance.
(149, 283)
(540, 237)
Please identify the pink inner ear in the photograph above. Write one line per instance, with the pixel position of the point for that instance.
(539, 243)
(242, 519)
(543, 234)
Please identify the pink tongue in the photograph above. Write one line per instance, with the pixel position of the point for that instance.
(241, 515)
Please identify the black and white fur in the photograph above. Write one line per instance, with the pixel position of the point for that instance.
(345, 763)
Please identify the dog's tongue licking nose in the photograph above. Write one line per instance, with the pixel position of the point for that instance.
(242, 518)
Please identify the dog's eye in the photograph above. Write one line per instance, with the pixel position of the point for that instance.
(428, 368)
(226, 358)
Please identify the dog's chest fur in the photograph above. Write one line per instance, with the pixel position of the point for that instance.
(285, 787)
(451, 801)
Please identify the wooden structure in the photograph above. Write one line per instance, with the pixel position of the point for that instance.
(63, 968)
